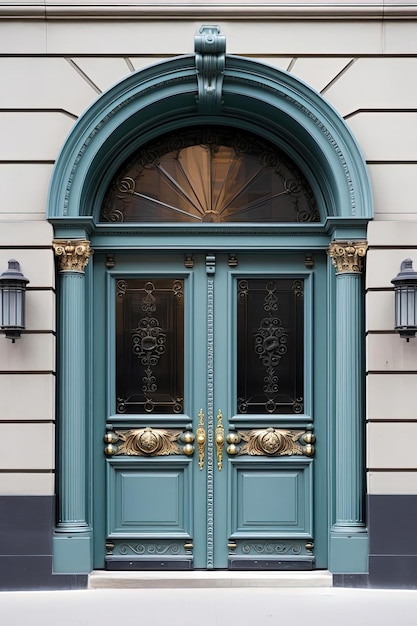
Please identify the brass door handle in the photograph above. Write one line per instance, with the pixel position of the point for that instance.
(219, 439)
(200, 437)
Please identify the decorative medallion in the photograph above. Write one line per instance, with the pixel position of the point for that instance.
(146, 442)
(347, 256)
(271, 442)
(72, 254)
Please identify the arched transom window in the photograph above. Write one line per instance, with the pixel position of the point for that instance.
(209, 174)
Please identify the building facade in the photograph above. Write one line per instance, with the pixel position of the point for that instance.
(217, 199)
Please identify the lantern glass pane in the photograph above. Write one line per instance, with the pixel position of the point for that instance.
(405, 307)
(12, 311)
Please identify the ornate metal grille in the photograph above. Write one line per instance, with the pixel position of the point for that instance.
(270, 346)
(209, 175)
(150, 346)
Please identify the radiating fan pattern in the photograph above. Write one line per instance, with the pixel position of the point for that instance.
(209, 175)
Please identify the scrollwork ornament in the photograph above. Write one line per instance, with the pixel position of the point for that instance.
(347, 256)
(270, 548)
(148, 442)
(72, 254)
(271, 442)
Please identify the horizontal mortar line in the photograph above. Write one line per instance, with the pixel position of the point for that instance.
(390, 162)
(40, 110)
(31, 372)
(38, 332)
(300, 55)
(123, 55)
(41, 289)
(377, 289)
(395, 372)
(170, 55)
(397, 470)
(392, 420)
(26, 162)
(27, 247)
(358, 111)
(27, 421)
(393, 247)
(27, 471)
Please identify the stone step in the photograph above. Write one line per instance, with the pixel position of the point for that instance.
(99, 579)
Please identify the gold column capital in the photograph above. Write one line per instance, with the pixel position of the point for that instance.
(72, 254)
(347, 256)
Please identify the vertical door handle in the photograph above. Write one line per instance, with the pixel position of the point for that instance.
(219, 439)
(200, 437)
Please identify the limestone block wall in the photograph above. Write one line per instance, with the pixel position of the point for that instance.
(54, 63)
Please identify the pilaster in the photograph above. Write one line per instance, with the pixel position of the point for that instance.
(349, 542)
(72, 533)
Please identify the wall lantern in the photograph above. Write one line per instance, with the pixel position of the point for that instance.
(12, 301)
(405, 289)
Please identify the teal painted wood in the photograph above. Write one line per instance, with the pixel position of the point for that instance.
(72, 515)
(210, 495)
(255, 97)
(349, 404)
(195, 295)
(210, 374)
(149, 498)
(230, 493)
(271, 498)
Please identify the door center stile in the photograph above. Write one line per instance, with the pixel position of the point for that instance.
(210, 270)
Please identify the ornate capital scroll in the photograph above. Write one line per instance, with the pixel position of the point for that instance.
(347, 256)
(72, 254)
(210, 49)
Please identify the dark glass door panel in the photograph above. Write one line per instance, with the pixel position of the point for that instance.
(150, 345)
(270, 345)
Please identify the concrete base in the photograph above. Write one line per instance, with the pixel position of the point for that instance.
(207, 579)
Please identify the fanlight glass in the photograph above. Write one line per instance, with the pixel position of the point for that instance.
(209, 175)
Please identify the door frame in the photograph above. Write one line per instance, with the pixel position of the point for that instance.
(280, 108)
(221, 384)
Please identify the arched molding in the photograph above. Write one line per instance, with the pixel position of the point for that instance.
(256, 97)
(282, 109)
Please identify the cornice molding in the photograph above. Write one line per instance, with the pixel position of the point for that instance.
(337, 10)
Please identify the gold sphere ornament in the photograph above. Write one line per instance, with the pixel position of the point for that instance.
(188, 449)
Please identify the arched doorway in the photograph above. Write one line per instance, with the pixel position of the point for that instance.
(262, 498)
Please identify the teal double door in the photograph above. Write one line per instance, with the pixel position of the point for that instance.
(210, 411)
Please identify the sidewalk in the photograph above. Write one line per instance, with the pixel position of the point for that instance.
(210, 607)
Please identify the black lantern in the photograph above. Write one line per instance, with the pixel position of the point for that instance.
(405, 288)
(12, 301)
